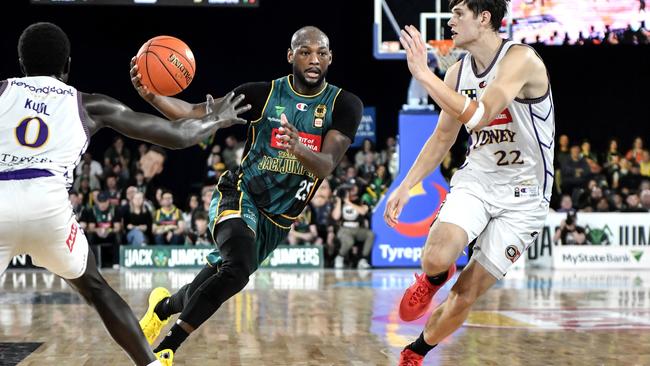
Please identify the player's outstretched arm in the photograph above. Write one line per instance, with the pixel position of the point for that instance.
(429, 158)
(520, 67)
(172, 108)
(104, 111)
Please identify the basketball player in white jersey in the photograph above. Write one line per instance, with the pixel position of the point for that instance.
(500, 93)
(45, 126)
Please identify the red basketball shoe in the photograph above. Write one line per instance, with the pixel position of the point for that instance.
(418, 296)
(410, 358)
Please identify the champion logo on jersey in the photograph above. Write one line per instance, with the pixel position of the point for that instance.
(502, 118)
(302, 107)
(482, 84)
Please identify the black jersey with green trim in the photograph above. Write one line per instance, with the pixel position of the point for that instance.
(275, 179)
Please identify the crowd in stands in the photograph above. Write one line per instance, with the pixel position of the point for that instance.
(116, 205)
(594, 37)
(615, 180)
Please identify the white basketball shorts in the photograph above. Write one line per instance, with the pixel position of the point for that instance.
(501, 234)
(36, 218)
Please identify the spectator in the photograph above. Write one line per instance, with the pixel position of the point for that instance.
(569, 232)
(152, 162)
(200, 234)
(617, 202)
(122, 175)
(303, 230)
(590, 157)
(117, 153)
(103, 225)
(191, 210)
(322, 205)
(636, 153)
(93, 180)
(595, 195)
(566, 204)
(386, 155)
(366, 149)
(634, 204)
(84, 190)
(232, 153)
(168, 225)
(140, 183)
(76, 201)
(645, 199)
(630, 177)
(377, 188)
(368, 168)
(354, 226)
(562, 155)
(129, 192)
(602, 205)
(142, 150)
(112, 190)
(644, 164)
(215, 163)
(137, 220)
(575, 171)
(95, 167)
(613, 170)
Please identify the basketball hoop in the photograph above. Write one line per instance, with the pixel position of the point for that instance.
(445, 52)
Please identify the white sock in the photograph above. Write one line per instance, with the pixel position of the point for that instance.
(155, 363)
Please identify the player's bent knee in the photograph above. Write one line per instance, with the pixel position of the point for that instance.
(433, 265)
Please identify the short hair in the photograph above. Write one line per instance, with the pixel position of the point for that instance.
(201, 215)
(497, 8)
(44, 49)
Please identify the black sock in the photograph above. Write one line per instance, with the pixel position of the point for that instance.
(173, 339)
(162, 309)
(420, 346)
(438, 279)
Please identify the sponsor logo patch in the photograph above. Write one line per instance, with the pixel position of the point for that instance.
(310, 140)
(72, 237)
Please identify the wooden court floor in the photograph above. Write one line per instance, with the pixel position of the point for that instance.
(328, 317)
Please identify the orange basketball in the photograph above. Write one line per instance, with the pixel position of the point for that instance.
(166, 64)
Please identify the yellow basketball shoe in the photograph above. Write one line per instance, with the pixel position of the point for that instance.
(150, 323)
(165, 357)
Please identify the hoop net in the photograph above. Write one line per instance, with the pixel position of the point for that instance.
(445, 52)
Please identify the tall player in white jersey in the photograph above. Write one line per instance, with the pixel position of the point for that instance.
(45, 126)
(500, 93)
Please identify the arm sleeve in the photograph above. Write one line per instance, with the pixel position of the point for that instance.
(347, 113)
(256, 95)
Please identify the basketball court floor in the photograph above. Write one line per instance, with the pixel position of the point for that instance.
(327, 317)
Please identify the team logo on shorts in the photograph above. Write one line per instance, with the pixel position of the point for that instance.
(512, 253)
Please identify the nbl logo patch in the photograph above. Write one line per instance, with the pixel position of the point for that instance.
(512, 253)
(471, 93)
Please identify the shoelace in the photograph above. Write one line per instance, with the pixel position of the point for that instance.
(420, 291)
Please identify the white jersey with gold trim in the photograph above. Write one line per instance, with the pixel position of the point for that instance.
(513, 156)
(42, 126)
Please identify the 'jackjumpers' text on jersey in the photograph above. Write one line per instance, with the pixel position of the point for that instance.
(514, 150)
(276, 180)
(41, 126)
